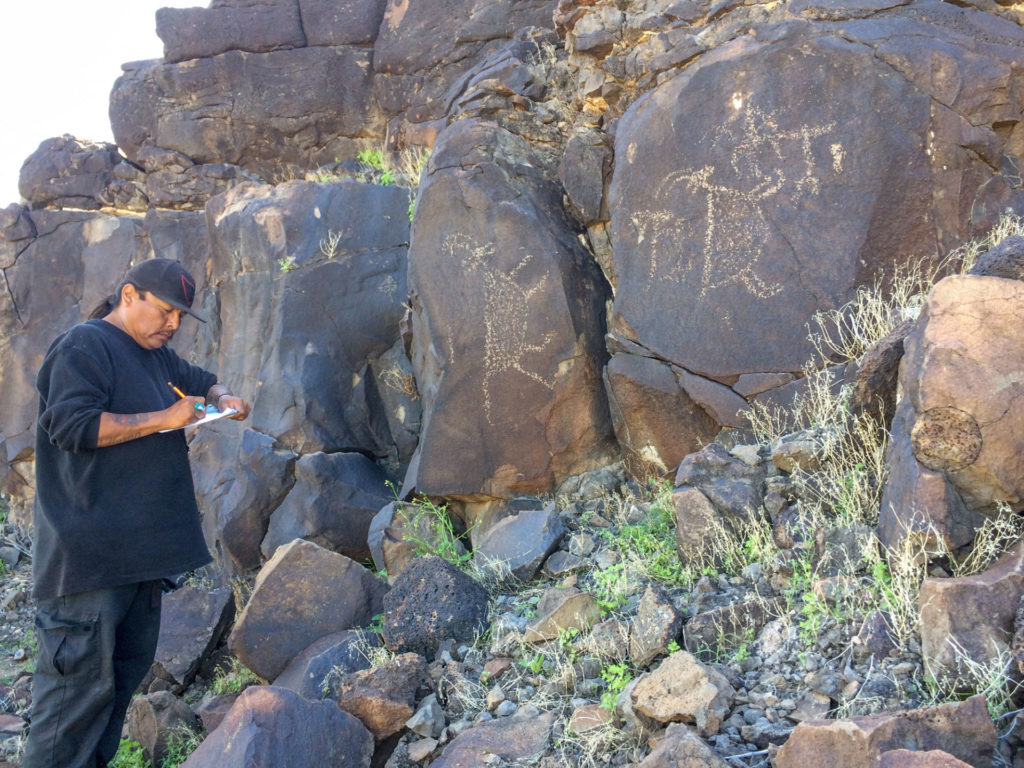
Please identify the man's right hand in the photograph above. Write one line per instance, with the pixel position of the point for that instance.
(121, 427)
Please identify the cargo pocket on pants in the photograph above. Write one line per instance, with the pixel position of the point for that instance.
(68, 647)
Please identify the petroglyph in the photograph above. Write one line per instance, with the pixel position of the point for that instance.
(732, 203)
(506, 314)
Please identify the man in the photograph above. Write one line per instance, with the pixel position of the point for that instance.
(115, 509)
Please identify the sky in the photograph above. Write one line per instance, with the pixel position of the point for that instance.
(59, 59)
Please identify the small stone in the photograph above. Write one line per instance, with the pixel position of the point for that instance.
(605, 559)
(422, 749)
(495, 697)
(506, 708)
(581, 544)
(494, 669)
(589, 717)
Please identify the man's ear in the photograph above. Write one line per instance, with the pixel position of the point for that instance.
(129, 294)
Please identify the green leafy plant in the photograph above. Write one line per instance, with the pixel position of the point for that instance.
(129, 755)
(535, 663)
(180, 744)
(286, 264)
(234, 679)
(610, 587)
(442, 541)
(616, 678)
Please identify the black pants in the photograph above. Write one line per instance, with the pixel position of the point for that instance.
(94, 649)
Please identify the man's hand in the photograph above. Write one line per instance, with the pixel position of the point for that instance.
(231, 401)
(121, 427)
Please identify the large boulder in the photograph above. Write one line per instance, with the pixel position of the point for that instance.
(288, 607)
(252, 25)
(261, 111)
(963, 729)
(516, 393)
(956, 446)
(424, 52)
(309, 281)
(65, 172)
(274, 726)
(720, 211)
(334, 498)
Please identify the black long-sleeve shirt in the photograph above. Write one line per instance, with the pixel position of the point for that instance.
(124, 513)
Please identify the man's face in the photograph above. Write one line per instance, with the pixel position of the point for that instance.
(149, 320)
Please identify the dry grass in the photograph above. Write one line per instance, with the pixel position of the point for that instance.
(996, 536)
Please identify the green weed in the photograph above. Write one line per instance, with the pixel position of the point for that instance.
(233, 680)
(616, 678)
(129, 755)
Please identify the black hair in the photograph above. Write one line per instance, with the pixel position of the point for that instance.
(108, 304)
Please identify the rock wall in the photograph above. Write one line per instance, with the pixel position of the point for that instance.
(631, 212)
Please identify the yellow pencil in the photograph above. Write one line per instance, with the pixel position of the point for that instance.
(180, 393)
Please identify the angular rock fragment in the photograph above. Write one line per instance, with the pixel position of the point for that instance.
(312, 673)
(681, 689)
(286, 610)
(658, 622)
(519, 544)
(383, 697)
(274, 726)
(192, 625)
(964, 730)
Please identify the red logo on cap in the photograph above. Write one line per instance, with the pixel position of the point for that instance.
(189, 289)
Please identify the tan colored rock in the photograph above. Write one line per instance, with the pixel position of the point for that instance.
(682, 689)
(590, 717)
(971, 616)
(422, 749)
(680, 747)
(963, 729)
(577, 611)
(933, 758)
(964, 364)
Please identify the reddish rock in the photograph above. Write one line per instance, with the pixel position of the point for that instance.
(964, 730)
(656, 422)
(971, 617)
(384, 697)
(590, 717)
(154, 718)
(570, 609)
(495, 668)
(933, 758)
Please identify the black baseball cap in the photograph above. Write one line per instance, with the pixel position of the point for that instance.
(166, 279)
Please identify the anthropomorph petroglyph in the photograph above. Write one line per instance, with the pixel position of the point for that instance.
(732, 204)
(505, 313)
